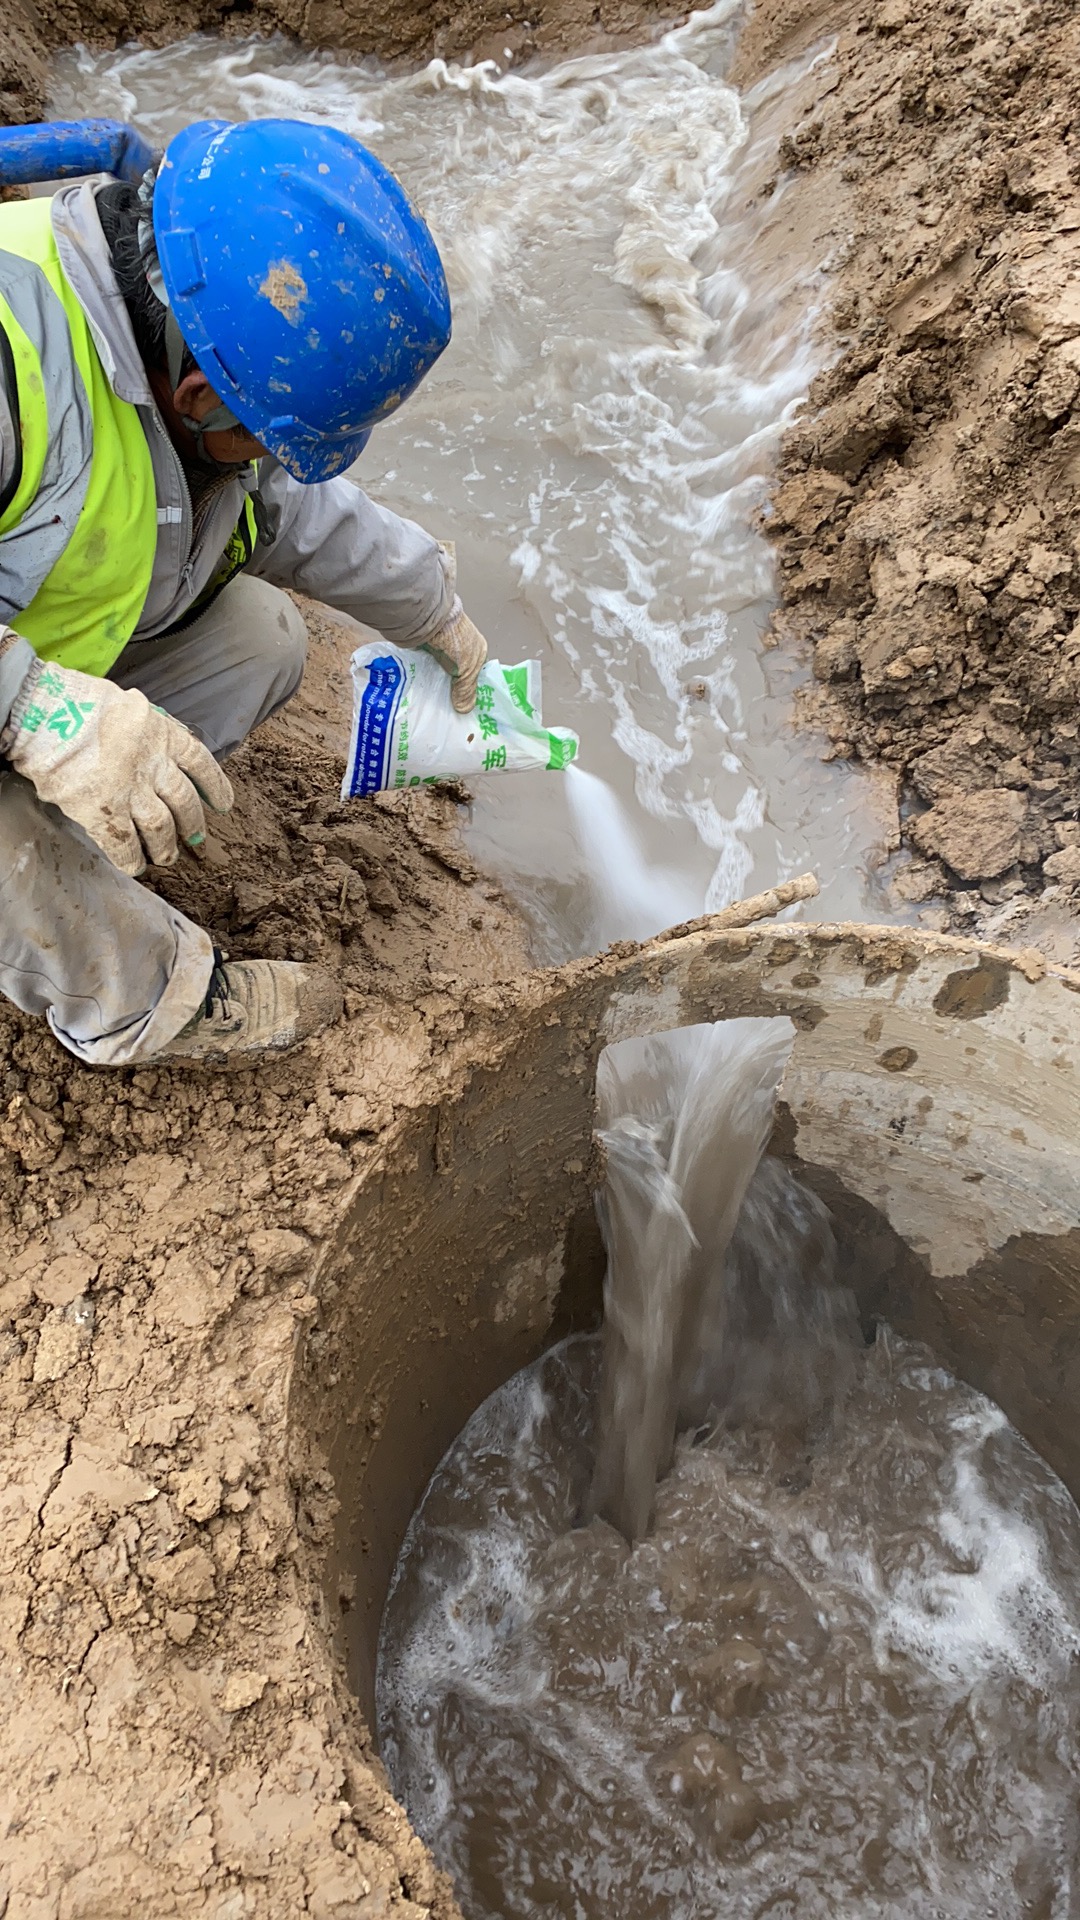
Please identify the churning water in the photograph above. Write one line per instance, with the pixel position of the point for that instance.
(837, 1679)
(632, 327)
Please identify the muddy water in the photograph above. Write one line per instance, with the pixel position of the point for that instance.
(828, 1665)
(682, 1119)
(839, 1677)
(632, 327)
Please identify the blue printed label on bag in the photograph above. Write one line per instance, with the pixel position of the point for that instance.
(377, 713)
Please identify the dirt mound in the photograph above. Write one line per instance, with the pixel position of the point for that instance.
(381, 892)
(173, 1720)
(926, 516)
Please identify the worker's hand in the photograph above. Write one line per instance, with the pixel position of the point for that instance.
(131, 776)
(459, 648)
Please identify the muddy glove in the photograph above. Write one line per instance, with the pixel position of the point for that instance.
(131, 776)
(460, 649)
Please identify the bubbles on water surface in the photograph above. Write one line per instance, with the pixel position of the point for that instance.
(633, 326)
(831, 1647)
(836, 1673)
(827, 1684)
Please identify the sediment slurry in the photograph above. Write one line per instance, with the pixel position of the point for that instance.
(926, 514)
(387, 28)
(841, 1661)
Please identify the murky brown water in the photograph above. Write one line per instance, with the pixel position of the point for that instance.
(839, 1677)
(682, 1119)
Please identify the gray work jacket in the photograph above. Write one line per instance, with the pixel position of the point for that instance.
(332, 542)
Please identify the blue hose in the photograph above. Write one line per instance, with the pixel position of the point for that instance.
(67, 149)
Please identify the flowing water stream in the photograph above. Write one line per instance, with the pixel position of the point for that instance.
(837, 1676)
(632, 327)
(683, 1120)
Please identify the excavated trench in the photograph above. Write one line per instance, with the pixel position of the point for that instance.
(245, 1323)
(930, 1101)
(635, 318)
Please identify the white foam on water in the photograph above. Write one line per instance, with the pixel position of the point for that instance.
(864, 1536)
(630, 337)
(916, 1748)
(996, 1610)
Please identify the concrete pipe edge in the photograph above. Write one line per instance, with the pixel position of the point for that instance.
(348, 1251)
(931, 1099)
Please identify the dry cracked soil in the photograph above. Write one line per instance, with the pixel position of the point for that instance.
(179, 1739)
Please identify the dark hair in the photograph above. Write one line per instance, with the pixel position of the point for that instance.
(134, 257)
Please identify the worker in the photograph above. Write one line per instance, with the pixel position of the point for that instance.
(191, 361)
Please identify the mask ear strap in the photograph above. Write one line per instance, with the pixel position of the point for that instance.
(175, 349)
(221, 420)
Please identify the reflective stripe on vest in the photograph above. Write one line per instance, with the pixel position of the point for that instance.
(80, 534)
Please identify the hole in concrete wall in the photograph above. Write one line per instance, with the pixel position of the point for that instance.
(508, 1753)
(476, 1244)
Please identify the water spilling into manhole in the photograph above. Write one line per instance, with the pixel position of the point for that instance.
(838, 1673)
(683, 1119)
(836, 1679)
(633, 324)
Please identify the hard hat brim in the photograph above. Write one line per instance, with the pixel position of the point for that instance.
(310, 459)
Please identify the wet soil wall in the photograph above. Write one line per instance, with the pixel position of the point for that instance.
(925, 521)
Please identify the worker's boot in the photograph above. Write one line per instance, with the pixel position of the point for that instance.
(254, 1007)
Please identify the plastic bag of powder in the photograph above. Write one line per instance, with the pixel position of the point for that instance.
(405, 731)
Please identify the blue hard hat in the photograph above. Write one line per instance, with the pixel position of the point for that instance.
(303, 280)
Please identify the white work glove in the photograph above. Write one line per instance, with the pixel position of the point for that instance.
(460, 649)
(131, 776)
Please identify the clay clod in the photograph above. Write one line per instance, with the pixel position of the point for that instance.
(243, 1689)
(978, 835)
(184, 1578)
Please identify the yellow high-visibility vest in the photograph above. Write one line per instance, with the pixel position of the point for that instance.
(88, 605)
